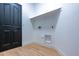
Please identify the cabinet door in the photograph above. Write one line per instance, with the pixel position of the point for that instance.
(5, 26)
(17, 24)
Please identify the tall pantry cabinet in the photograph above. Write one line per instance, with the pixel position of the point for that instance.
(10, 26)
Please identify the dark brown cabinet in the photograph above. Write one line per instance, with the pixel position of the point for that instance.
(10, 26)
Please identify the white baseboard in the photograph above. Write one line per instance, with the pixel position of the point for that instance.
(59, 51)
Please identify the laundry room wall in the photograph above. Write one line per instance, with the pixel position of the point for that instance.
(67, 30)
(27, 30)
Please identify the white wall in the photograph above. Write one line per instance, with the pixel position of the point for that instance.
(27, 29)
(67, 31)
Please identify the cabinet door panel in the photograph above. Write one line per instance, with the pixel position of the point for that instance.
(7, 14)
(16, 15)
(6, 40)
(6, 36)
(1, 14)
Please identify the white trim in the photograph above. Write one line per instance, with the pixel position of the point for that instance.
(59, 51)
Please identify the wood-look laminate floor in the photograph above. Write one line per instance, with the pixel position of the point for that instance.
(30, 50)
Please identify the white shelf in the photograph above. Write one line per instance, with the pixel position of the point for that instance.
(46, 21)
